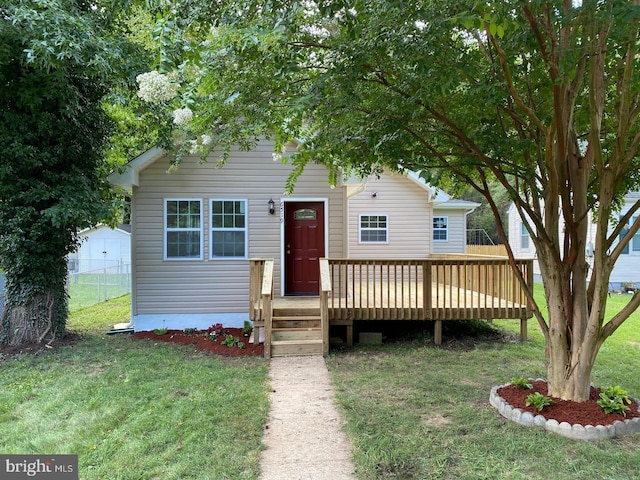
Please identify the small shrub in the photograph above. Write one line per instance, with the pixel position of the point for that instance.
(246, 329)
(614, 400)
(215, 330)
(522, 382)
(189, 331)
(538, 401)
(160, 331)
(230, 341)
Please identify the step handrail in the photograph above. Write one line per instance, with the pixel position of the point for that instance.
(266, 293)
(325, 292)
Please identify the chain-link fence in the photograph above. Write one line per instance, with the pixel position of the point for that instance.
(90, 287)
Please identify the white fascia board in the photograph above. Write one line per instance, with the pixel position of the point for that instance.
(129, 176)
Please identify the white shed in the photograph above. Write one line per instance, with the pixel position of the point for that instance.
(102, 247)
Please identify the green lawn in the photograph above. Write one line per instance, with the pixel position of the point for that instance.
(86, 289)
(415, 411)
(145, 410)
(133, 409)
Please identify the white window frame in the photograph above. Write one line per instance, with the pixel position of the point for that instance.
(525, 238)
(168, 230)
(362, 229)
(445, 229)
(633, 247)
(245, 229)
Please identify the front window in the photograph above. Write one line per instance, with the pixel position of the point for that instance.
(440, 229)
(373, 229)
(228, 228)
(183, 229)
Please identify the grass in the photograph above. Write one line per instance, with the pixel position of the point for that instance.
(414, 411)
(86, 289)
(132, 409)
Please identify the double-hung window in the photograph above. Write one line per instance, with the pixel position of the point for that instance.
(440, 229)
(373, 229)
(183, 229)
(228, 228)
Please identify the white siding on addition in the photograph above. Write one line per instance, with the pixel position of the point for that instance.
(407, 207)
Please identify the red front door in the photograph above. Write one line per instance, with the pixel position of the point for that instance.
(304, 246)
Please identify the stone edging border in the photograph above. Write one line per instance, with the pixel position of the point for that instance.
(576, 432)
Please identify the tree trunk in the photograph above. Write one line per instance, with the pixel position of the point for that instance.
(35, 313)
(33, 322)
(573, 336)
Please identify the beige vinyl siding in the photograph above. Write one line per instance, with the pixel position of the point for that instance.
(456, 231)
(218, 285)
(408, 212)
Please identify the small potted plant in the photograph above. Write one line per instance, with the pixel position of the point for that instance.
(246, 330)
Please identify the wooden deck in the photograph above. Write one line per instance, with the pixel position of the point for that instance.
(437, 289)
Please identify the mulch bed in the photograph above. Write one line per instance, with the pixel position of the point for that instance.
(202, 341)
(581, 413)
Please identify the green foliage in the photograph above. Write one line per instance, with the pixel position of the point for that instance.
(246, 329)
(522, 382)
(58, 61)
(231, 341)
(614, 400)
(538, 400)
(490, 93)
(160, 331)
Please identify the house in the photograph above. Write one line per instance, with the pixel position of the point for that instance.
(102, 247)
(626, 270)
(194, 230)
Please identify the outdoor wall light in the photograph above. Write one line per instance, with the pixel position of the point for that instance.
(272, 207)
(374, 194)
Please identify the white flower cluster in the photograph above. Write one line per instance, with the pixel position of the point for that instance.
(182, 116)
(156, 87)
(197, 146)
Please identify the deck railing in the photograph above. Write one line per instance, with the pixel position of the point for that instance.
(451, 287)
(431, 289)
(325, 292)
(261, 300)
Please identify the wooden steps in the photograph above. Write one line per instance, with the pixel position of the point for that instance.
(296, 332)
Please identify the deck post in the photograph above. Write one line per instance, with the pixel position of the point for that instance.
(523, 329)
(325, 291)
(267, 305)
(437, 332)
(350, 335)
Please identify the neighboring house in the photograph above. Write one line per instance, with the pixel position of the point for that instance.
(102, 247)
(626, 270)
(195, 230)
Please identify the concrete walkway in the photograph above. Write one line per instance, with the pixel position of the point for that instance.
(303, 435)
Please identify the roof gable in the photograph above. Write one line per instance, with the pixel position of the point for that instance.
(129, 176)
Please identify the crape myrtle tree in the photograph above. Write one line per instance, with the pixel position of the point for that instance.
(56, 59)
(539, 96)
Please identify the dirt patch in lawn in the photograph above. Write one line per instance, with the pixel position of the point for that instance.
(10, 351)
(203, 341)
